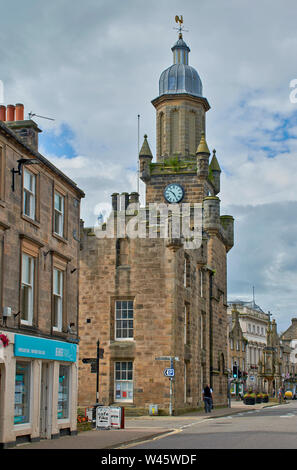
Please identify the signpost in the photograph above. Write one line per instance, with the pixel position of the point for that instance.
(94, 362)
(169, 372)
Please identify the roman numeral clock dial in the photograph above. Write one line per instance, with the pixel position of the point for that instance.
(174, 193)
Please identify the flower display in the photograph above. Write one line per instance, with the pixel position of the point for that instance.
(4, 340)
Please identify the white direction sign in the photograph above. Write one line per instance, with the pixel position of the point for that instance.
(169, 372)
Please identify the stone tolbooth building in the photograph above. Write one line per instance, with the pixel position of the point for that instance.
(147, 290)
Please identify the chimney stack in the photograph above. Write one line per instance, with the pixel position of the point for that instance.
(27, 130)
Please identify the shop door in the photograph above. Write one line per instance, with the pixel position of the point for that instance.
(45, 408)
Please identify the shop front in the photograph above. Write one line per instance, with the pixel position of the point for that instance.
(38, 389)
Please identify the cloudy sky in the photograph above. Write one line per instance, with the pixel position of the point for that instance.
(94, 66)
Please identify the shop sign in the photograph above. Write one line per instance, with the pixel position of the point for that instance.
(32, 346)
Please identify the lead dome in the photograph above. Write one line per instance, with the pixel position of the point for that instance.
(180, 77)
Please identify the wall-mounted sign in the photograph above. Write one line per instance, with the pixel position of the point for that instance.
(42, 348)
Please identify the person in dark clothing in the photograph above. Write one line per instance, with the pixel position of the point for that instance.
(207, 397)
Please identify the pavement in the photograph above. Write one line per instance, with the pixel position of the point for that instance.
(137, 429)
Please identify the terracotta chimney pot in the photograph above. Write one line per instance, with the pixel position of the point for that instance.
(10, 112)
(2, 112)
(19, 112)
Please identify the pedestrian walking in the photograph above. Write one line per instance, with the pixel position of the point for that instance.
(207, 397)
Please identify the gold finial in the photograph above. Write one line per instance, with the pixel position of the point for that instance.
(180, 20)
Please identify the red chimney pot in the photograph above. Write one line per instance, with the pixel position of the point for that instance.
(10, 112)
(19, 112)
(2, 112)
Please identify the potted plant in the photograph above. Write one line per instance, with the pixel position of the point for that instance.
(249, 398)
(265, 398)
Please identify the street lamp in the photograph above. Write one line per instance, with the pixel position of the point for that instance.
(21, 163)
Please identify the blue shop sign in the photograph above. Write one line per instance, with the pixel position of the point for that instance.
(41, 348)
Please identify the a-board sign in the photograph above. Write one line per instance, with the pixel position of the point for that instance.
(115, 417)
(103, 417)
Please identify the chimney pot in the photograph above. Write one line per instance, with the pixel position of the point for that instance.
(2, 112)
(19, 112)
(10, 112)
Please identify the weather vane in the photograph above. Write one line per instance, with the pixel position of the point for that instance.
(179, 19)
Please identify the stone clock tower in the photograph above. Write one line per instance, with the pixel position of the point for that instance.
(182, 154)
(151, 297)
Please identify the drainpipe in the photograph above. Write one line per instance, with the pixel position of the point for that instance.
(211, 273)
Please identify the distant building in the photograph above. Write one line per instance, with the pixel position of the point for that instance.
(274, 365)
(267, 362)
(289, 339)
(254, 323)
(39, 272)
(237, 352)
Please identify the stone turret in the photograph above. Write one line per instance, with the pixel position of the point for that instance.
(215, 173)
(202, 154)
(145, 158)
(211, 213)
(227, 223)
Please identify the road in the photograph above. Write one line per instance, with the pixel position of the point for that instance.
(269, 428)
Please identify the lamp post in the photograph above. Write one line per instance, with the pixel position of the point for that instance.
(21, 163)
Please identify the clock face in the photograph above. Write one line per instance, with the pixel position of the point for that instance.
(174, 193)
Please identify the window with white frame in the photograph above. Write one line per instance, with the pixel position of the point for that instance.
(58, 276)
(124, 319)
(29, 194)
(123, 381)
(59, 212)
(27, 289)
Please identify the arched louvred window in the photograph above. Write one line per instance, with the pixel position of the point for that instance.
(122, 248)
(161, 134)
(192, 132)
(174, 131)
